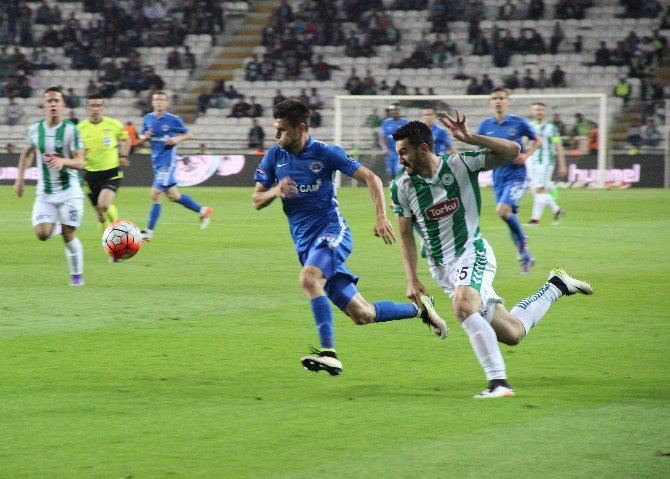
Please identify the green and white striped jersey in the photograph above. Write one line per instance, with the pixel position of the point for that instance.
(63, 140)
(445, 209)
(546, 154)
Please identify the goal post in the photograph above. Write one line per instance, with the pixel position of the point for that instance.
(353, 132)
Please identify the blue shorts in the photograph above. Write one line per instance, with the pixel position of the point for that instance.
(164, 178)
(509, 192)
(329, 253)
(392, 165)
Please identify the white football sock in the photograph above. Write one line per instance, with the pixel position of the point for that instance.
(530, 310)
(74, 252)
(485, 345)
(538, 206)
(549, 201)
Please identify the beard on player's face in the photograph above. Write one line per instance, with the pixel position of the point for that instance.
(407, 157)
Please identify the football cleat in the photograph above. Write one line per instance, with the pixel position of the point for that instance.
(495, 392)
(77, 280)
(205, 217)
(321, 360)
(430, 317)
(572, 285)
(533, 222)
(147, 235)
(527, 263)
(558, 216)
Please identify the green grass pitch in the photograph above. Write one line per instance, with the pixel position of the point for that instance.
(183, 362)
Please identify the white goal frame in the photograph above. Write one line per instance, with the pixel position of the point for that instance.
(603, 123)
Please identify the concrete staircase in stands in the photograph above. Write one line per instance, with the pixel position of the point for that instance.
(236, 46)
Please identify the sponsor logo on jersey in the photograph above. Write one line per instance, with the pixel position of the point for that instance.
(511, 132)
(443, 209)
(310, 188)
(165, 127)
(316, 166)
(447, 179)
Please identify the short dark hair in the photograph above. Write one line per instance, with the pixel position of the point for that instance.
(417, 133)
(53, 88)
(95, 96)
(293, 111)
(500, 88)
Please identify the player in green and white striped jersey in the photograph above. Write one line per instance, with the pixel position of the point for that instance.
(541, 163)
(59, 202)
(440, 195)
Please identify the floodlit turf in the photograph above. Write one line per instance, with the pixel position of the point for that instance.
(183, 362)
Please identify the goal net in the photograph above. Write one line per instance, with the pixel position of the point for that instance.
(357, 119)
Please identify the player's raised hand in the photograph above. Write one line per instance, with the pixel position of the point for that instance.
(384, 230)
(287, 188)
(457, 126)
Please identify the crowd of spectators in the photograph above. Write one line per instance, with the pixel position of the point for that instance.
(121, 27)
(361, 26)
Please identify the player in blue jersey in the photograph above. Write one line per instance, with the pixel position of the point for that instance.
(300, 170)
(443, 145)
(165, 131)
(509, 181)
(386, 141)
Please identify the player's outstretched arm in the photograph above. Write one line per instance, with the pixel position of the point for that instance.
(409, 260)
(383, 228)
(500, 151)
(179, 138)
(25, 160)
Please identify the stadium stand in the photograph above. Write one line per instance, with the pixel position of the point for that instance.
(250, 27)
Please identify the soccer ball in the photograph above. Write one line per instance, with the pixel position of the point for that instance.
(122, 239)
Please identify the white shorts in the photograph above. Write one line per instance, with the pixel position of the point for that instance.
(540, 175)
(67, 212)
(476, 267)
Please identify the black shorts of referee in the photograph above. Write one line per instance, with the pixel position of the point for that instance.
(102, 180)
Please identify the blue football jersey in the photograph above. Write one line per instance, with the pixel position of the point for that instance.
(315, 207)
(167, 126)
(441, 137)
(513, 128)
(387, 129)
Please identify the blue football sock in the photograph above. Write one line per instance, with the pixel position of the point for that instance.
(153, 215)
(323, 317)
(189, 203)
(515, 230)
(390, 311)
